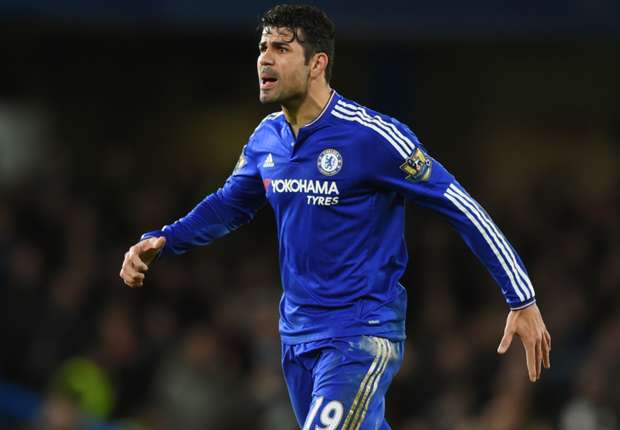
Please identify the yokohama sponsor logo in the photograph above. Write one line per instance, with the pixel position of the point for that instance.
(304, 186)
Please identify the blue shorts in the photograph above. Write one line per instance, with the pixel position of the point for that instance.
(340, 383)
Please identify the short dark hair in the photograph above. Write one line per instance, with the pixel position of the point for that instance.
(318, 32)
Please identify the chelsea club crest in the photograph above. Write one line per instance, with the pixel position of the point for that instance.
(329, 162)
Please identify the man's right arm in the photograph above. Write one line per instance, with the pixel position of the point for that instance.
(221, 212)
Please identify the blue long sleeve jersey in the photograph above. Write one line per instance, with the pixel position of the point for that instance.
(338, 191)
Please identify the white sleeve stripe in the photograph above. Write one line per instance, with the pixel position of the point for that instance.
(366, 117)
(374, 127)
(509, 252)
(488, 225)
(379, 119)
(450, 196)
(502, 238)
(468, 201)
(403, 138)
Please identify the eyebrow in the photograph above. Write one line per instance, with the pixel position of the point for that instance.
(275, 43)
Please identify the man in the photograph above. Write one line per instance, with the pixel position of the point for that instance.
(337, 176)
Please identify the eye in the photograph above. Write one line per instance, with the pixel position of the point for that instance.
(282, 50)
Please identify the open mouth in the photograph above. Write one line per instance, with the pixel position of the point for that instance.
(268, 82)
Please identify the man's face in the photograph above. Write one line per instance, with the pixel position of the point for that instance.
(283, 74)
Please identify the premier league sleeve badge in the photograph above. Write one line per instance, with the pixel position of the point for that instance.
(417, 167)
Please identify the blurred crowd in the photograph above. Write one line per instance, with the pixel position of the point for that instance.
(197, 347)
(134, 131)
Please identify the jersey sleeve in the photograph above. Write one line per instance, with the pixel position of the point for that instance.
(404, 166)
(221, 212)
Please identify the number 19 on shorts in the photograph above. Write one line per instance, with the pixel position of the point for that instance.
(330, 416)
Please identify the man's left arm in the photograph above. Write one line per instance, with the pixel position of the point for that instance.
(423, 180)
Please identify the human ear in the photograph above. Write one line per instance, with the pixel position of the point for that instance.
(319, 64)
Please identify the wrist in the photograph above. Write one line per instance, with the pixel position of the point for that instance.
(523, 305)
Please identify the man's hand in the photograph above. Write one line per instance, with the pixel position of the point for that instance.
(138, 258)
(529, 326)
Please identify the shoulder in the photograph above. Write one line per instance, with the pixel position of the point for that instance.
(271, 122)
(379, 130)
(273, 116)
(268, 128)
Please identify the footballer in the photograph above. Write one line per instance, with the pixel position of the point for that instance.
(337, 176)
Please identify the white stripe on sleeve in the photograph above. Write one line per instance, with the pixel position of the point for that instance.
(363, 115)
(403, 138)
(455, 200)
(529, 289)
(374, 127)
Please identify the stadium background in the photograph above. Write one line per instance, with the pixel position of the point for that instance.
(117, 117)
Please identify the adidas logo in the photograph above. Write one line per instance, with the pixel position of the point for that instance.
(268, 161)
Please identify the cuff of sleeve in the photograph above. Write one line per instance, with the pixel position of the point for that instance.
(523, 305)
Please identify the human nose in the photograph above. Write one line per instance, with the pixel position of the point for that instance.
(265, 58)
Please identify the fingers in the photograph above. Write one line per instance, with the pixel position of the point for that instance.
(133, 269)
(153, 244)
(138, 258)
(160, 243)
(133, 261)
(506, 341)
(148, 249)
(530, 358)
(546, 347)
(138, 264)
(527, 323)
(539, 358)
(131, 277)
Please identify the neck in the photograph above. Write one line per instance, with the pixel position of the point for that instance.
(301, 112)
